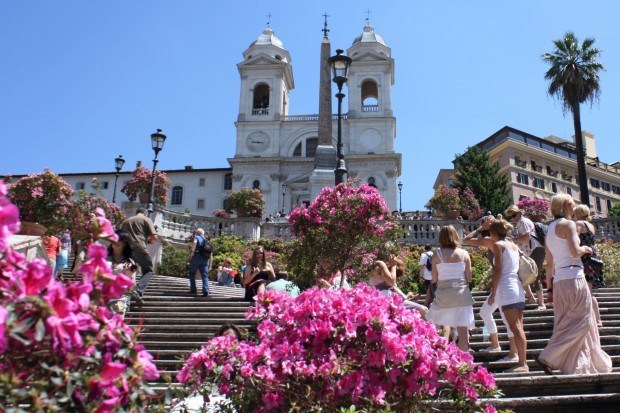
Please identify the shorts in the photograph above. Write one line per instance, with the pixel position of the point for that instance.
(514, 306)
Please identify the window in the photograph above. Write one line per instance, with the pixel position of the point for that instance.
(370, 95)
(522, 197)
(256, 184)
(79, 186)
(569, 191)
(227, 182)
(202, 181)
(595, 183)
(523, 179)
(371, 182)
(105, 185)
(200, 204)
(307, 148)
(177, 195)
(605, 186)
(615, 189)
(539, 183)
(260, 102)
(608, 205)
(554, 188)
(598, 203)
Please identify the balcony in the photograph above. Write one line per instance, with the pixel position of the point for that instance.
(567, 178)
(308, 118)
(537, 168)
(260, 111)
(553, 173)
(370, 108)
(520, 163)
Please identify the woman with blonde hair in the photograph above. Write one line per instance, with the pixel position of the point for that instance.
(453, 303)
(575, 346)
(507, 289)
(586, 231)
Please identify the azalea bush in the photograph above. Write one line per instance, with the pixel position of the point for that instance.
(43, 198)
(347, 225)
(140, 183)
(246, 202)
(470, 207)
(61, 348)
(83, 210)
(536, 209)
(220, 213)
(328, 350)
(445, 199)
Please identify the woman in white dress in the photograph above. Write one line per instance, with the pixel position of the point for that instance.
(453, 304)
(507, 289)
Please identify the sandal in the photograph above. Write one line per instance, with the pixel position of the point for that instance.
(509, 359)
(545, 366)
(518, 369)
(491, 349)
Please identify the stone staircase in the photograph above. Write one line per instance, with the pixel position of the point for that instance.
(174, 323)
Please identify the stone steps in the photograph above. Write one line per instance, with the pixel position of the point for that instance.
(175, 323)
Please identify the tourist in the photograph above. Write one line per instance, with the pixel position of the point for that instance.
(229, 329)
(328, 276)
(525, 238)
(383, 276)
(52, 249)
(226, 274)
(62, 259)
(119, 257)
(257, 273)
(574, 347)
(140, 232)
(507, 289)
(481, 238)
(453, 303)
(586, 231)
(283, 284)
(200, 260)
(425, 266)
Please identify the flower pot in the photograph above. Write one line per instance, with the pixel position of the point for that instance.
(32, 228)
(144, 197)
(452, 214)
(242, 213)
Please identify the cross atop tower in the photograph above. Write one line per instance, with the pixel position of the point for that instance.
(325, 29)
(269, 16)
(367, 14)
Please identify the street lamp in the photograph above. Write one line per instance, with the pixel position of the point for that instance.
(400, 196)
(118, 164)
(340, 70)
(157, 142)
(283, 195)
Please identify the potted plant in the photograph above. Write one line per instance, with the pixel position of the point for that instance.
(220, 213)
(84, 209)
(140, 186)
(246, 203)
(43, 199)
(447, 200)
(538, 210)
(470, 207)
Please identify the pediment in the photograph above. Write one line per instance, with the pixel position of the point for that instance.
(262, 60)
(370, 56)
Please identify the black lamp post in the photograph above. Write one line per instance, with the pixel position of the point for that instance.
(157, 142)
(400, 197)
(118, 165)
(283, 195)
(340, 70)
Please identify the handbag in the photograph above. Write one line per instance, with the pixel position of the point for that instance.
(528, 271)
(593, 268)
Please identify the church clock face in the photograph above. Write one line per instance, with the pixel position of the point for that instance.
(257, 141)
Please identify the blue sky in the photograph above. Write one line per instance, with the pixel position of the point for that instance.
(84, 81)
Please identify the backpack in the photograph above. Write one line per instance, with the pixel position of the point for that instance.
(541, 233)
(205, 248)
(429, 261)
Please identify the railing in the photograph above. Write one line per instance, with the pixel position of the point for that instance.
(261, 111)
(370, 108)
(607, 228)
(308, 118)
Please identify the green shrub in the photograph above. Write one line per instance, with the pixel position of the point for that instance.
(610, 254)
(174, 261)
(229, 246)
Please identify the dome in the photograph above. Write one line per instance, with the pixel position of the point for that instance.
(267, 38)
(369, 36)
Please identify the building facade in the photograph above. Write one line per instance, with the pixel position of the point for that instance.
(542, 167)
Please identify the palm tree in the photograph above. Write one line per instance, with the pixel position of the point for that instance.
(573, 79)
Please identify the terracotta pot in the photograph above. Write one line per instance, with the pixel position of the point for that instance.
(32, 228)
(452, 214)
(144, 197)
(242, 213)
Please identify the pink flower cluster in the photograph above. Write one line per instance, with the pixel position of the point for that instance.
(60, 345)
(537, 208)
(337, 348)
(141, 183)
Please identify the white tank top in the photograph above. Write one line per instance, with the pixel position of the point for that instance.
(565, 266)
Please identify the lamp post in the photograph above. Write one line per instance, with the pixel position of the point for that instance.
(283, 195)
(400, 197)
(340, 70)
(157, 142)
(118, 165)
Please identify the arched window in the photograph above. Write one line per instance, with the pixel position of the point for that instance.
(260, 103)
(177, 195)
(371, 182)
(256, 184)
(370, 96)
(227, 182)
(306, 148)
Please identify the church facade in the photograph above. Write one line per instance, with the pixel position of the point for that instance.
(276, 151)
